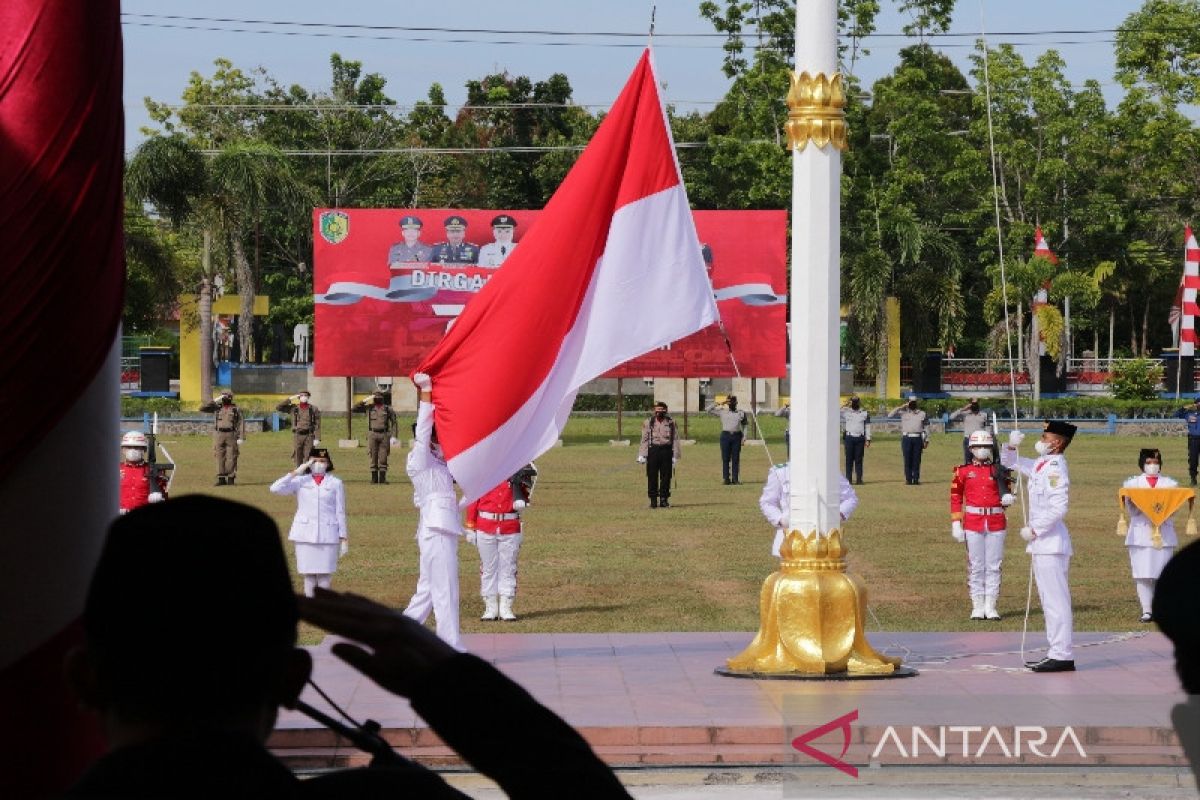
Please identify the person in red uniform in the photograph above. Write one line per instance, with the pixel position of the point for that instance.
(137, 489)
(494, 526)
(979, 493)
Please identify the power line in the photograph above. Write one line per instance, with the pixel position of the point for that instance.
(639, 35)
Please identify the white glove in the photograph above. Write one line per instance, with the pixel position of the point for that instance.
(1007, 500)
(345, 547)
(674, 461)
(423, 382)
(1015, 438)
(124, 511)
(316, 442)
(518, 505)
(393, 441)
(956, 530)
(784, 519)
(641, 459)
(241, 441)
(1027, 534)
(470, 536)
(155, 497)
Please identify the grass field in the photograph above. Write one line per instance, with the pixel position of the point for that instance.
(596, 559)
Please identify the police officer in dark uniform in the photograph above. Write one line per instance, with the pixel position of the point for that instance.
(382, 429)
(1191, 415)
(412, 249)
(659, 451)
(454, 250)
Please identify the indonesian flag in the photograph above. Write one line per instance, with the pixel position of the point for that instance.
(1040, 248)
(1191, 282)
(611, 270)
(63, 270)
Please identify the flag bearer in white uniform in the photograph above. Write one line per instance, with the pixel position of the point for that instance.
(440, 524)
(776, 496)
(1146, 560)
(1049, 540)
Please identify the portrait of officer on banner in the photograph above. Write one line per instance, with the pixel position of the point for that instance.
(455, 250)
(412, 249)
(494, 253)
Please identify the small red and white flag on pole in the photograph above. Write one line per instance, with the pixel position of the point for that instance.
(611, 270)
(1040, 248)
(1191, 282)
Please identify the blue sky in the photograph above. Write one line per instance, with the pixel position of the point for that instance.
(158, 59)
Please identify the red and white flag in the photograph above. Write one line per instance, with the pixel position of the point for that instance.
(1191, 282)
(1040, 248)
(63, 272)
(611, 270)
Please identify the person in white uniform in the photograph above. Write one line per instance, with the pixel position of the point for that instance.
(1048, 537)
(319, 527)
(775, 497)
(440, 524)
(1146, 560)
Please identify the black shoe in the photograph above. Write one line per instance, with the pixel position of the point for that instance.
(1193, 480)
(229, 480)
(374, 476)
(1146, 617)
(916, 483)
(663, 503)
(654, 502)
(220, 481)
(859, 481)
(383, 477)
(727, 481)
(1052, 665)
(736, 482)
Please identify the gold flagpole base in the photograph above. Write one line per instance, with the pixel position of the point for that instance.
(812, 614)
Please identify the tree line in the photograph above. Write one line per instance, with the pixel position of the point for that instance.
(944, 171)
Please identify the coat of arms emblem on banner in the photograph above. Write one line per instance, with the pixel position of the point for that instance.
(335, 226)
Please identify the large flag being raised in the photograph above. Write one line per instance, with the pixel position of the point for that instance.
(611, 270)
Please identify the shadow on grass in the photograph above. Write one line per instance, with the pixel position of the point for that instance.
(558, 612)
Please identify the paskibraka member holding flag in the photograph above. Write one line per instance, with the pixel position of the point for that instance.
(440, 525)
(1046, 532)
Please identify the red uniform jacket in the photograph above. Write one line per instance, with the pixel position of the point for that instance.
(497, 502)
(135, 485)
(975, 487)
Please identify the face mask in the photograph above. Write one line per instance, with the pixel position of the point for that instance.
(303, 401)
(379, 402)
(660, 414)
(912, 405)
(982, 453)
(1152, 469)
(733, 405)
(134, 454)
(227, 400)
(319, 467)
(974, 408)
(855, 404)
(1043, 448)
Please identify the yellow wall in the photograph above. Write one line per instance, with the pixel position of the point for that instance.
(189, 339)
(893, 356)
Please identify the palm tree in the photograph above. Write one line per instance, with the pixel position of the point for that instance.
(223, 197)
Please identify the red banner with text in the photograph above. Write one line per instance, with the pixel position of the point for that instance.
(388, 284)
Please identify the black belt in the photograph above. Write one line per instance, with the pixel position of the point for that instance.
(225, 430)
(378, 430)
(855, 435)
(661, 445)
(304, 432)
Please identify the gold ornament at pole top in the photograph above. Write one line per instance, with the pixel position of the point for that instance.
(816, 111)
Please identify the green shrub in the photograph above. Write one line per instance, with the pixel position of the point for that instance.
(608, 402)
(1136, 379)
(137, 406)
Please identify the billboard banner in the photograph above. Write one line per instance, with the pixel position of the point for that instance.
(388, 283)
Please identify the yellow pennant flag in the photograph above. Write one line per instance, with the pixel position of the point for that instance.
(1158, 505)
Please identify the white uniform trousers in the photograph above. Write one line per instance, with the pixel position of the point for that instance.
(1050, 572)
(985, 555)
(437, 585)
(498, 563)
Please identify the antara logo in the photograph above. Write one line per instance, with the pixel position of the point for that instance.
(976, 741)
